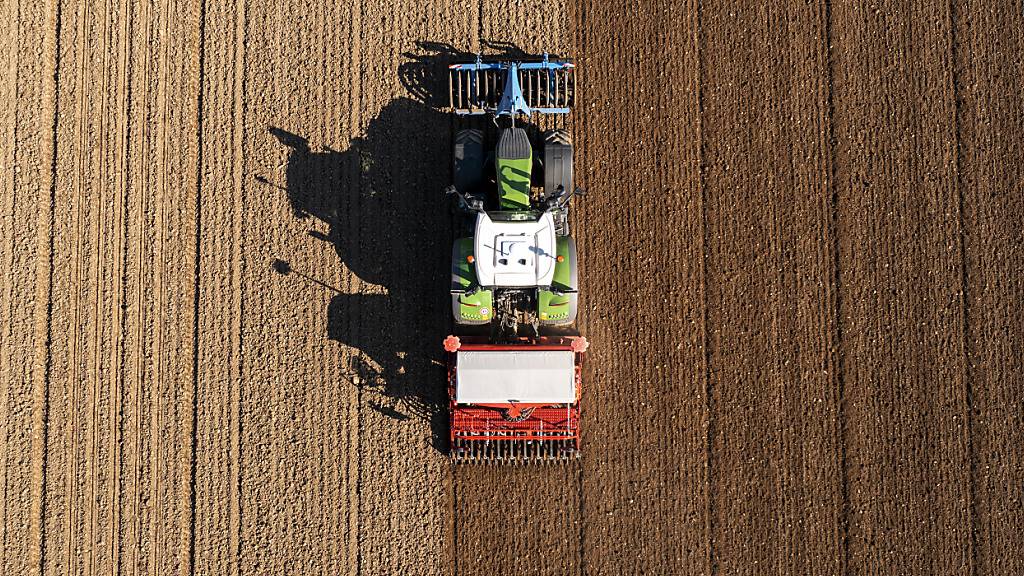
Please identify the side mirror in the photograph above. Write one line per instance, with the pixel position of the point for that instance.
(579, 192)
(467, 292)
(560, 291)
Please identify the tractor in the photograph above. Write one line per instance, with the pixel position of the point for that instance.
(515, 360)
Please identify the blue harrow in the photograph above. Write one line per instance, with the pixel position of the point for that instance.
(510, 88)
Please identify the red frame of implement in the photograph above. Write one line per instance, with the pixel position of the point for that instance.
(486, 421)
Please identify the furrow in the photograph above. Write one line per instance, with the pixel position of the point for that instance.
(119, 292)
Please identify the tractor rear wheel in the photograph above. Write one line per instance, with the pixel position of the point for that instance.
(557, 162)
(468, 167)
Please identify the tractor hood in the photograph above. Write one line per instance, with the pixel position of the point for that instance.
(527, 376)
(515, 254)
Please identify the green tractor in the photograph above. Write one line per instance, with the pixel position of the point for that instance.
(515, 267)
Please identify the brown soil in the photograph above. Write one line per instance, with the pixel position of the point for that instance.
(220, 329)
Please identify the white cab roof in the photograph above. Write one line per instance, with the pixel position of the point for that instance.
(501, 376)
(515, 254)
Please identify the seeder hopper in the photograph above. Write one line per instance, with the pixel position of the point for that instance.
(515, 361)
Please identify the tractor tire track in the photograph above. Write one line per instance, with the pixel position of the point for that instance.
(906, 442)
(142, 259)
(986, 55)
(27, 153)
(776, 461)
(45, 296)
(118, 351)
(640, 233)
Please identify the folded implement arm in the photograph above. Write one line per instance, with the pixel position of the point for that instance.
(541, 419)
(507, 88)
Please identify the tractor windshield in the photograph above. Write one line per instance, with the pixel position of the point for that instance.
(523, 216)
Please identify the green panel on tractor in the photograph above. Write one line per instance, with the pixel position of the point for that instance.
(471, 306)
(552, 307)
(549, 305)
(476, 306)
(514, 183)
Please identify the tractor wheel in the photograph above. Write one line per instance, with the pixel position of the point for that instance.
(557, 162)
(468, 168)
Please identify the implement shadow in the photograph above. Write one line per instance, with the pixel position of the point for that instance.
(382, 200)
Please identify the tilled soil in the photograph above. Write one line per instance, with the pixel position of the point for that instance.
(227, 253)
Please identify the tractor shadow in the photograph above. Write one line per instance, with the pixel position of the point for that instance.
(382, 200)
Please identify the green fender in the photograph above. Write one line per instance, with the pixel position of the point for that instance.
(560, 309)
(468, 309)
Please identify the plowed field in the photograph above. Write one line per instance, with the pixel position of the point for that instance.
(225, 293)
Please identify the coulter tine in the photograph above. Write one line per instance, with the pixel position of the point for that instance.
(458, 88)
(473, 92)
(526, 79)
(495, 88)
(562, 88)
(573, 78)
(542, 88)
(548, 77)
(538, 89)
(570, 88)
(569, 78)
(535, 92)
(566, 78)
(555, 79)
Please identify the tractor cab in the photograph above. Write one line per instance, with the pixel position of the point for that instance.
(514, 253)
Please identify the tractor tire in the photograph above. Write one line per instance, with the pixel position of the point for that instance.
(468, 167)
(557, 162)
